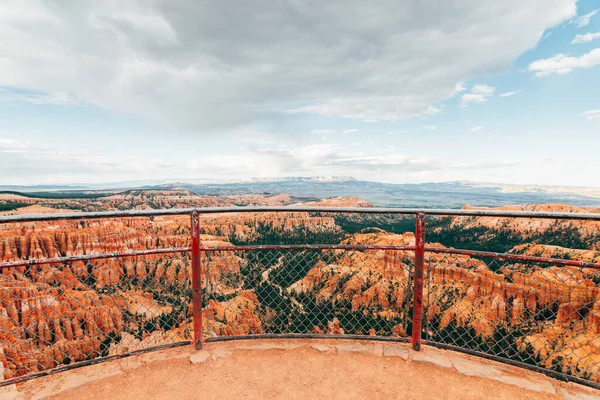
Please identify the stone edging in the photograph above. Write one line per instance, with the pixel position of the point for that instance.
(461, 363)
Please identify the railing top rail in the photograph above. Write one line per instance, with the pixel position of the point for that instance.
(261, 209)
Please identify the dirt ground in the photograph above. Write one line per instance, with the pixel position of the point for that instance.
(276, 374)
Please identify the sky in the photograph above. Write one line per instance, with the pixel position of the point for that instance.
(390, 91)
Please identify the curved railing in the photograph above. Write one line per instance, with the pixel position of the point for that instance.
(439, 296)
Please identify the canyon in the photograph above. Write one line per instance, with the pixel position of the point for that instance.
(57, 314)
(576, 233)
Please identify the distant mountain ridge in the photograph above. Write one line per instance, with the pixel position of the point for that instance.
(425, 195)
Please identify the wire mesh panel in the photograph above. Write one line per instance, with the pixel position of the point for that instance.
(306, 292)
(540, 314)
(60, 314)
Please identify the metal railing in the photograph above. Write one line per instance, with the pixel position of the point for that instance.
(70, 313)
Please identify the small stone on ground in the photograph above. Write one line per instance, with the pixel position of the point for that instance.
(395, 351)
(199, 357)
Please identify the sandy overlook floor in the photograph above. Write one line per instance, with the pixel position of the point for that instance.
(299, 369)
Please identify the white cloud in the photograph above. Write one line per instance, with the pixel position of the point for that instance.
(54, 165)
(592, 115)
(483, 89)
(430, 127)
(563, 64)
(588, 37)
(472, 98)
(584, 20)
(479, 94)
(174, 61)
(459, 87)
(68, 165)
(351, 130)
(321, 131)
(349, 161)
(509, 94)
(476, 128)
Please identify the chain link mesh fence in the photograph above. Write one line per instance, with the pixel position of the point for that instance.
(59, 314)
(307, 292)
(539, 314)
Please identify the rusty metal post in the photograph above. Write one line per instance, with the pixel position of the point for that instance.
(418, 282)
(196, 279)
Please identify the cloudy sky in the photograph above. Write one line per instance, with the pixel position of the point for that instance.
(393, 91)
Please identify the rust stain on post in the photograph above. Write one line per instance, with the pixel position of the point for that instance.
(418, 283)
(196, 289)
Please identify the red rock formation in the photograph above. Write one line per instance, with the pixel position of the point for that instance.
(334, 328)
(68, 238)
(544, 250)
(528, 227)
(41, 326)
(232, 317)
(373, 282)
